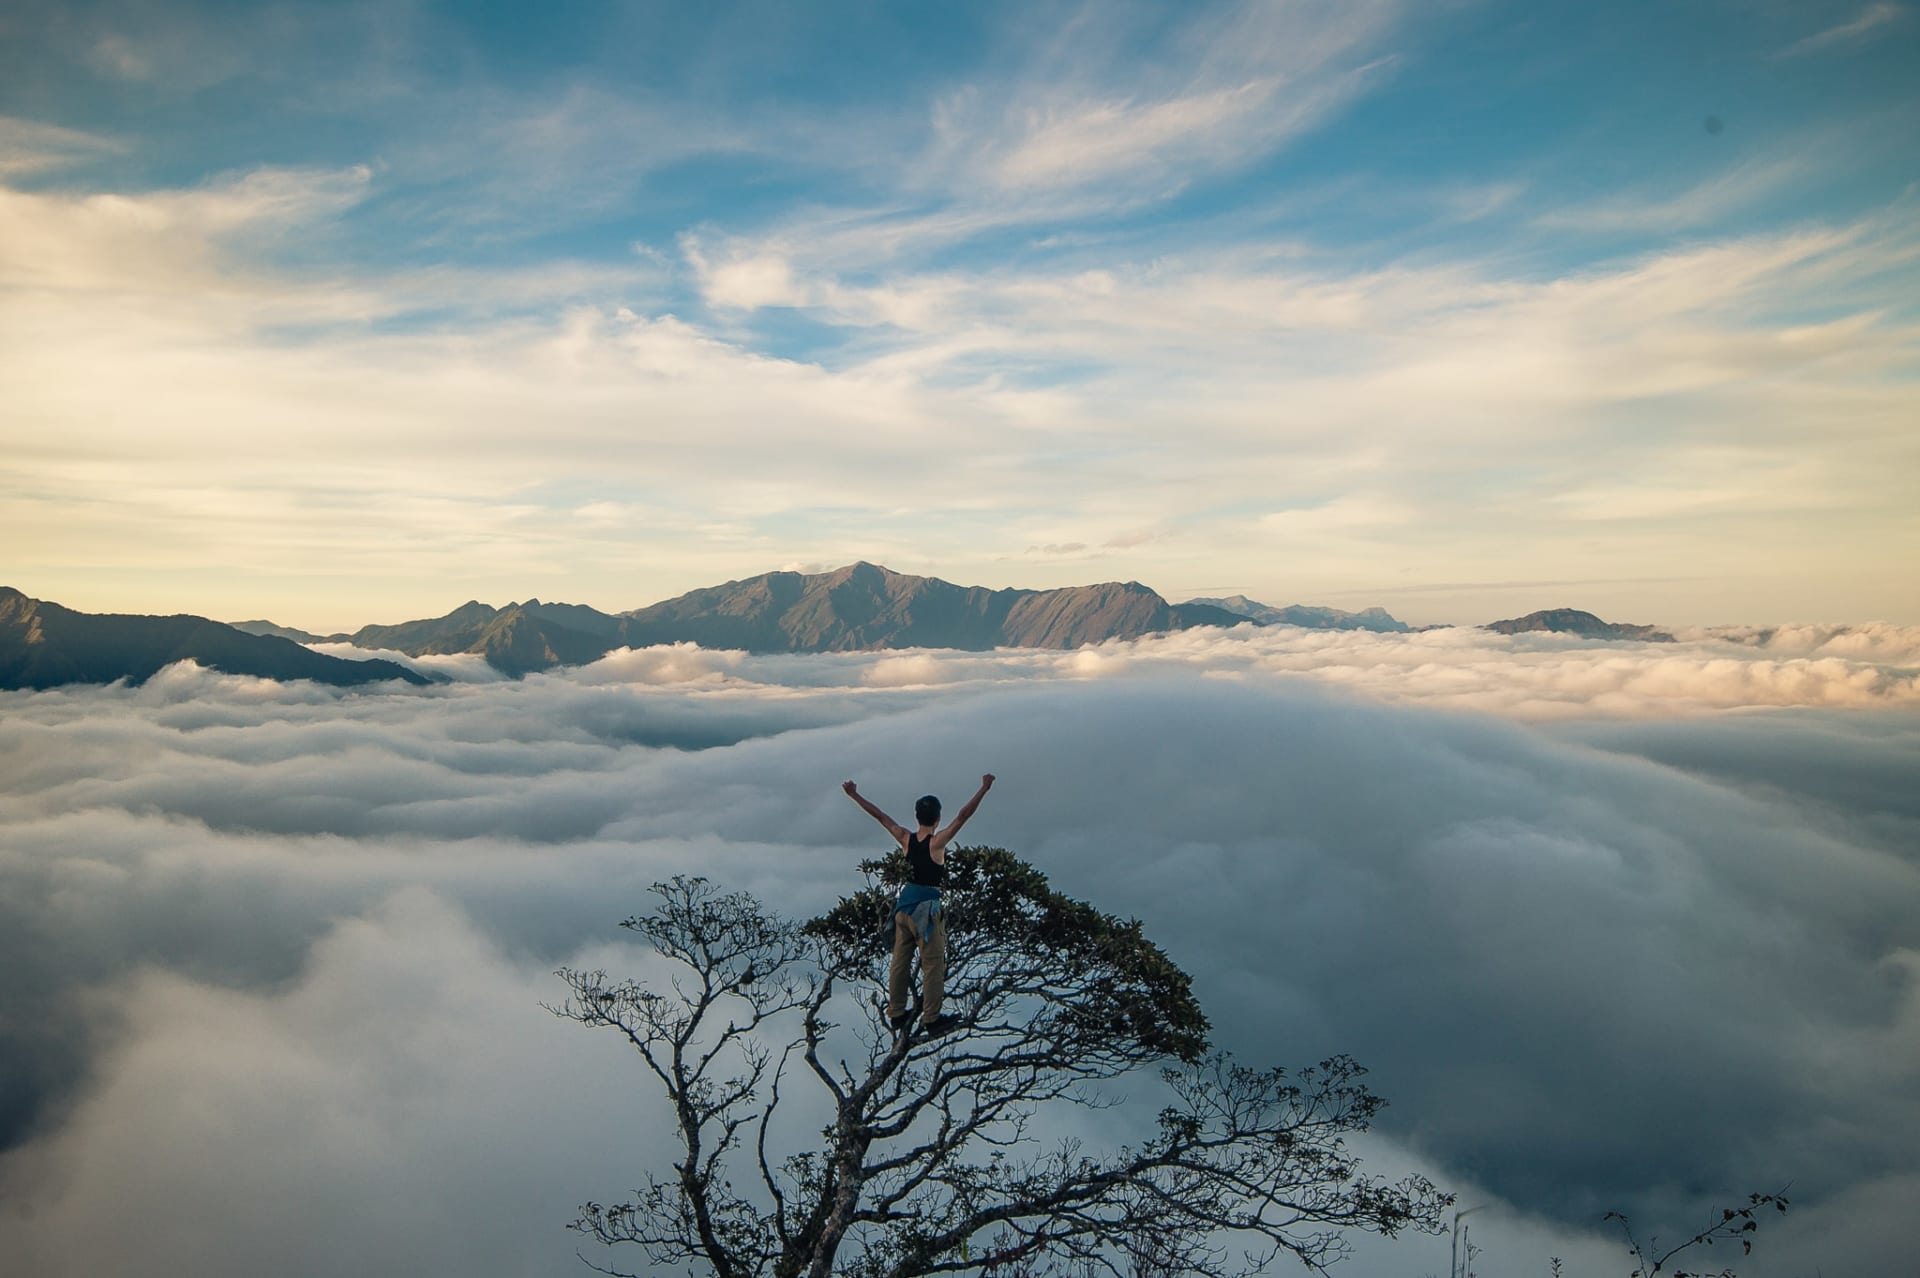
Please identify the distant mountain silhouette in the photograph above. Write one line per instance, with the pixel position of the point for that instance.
(1307, 616)
(1572, 621)
(577, 617)
(514, 639)
(524, 638)
(43, 645)
(458, 631)
(282, 632)
(864, 606)
(861, 607)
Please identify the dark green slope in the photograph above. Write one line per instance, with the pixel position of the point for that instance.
(590, 621)
(43, 645)
(520, 640)
(739, 614)
(455, 632)
(514, 639)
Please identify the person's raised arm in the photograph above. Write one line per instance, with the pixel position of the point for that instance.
(960, 817)
(893, 827)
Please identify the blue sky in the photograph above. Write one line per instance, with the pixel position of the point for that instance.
(337, 313)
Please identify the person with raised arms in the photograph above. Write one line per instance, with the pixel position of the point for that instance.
(917, 921)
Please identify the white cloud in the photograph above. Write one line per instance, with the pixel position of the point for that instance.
(1227, 87)
(498, 163)
(461, 667)
(1267, 383)
(320, 920)
(1065, 119)
(1098, 140)
(679, 663)
(764, 278)
(1533, 677)
(1869, 19)
(352, 1120)
(444, 422)
(1708, 201)
(172, 240)
(30, 146)
(1878, 643)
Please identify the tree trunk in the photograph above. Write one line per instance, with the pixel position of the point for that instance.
(848, 1180)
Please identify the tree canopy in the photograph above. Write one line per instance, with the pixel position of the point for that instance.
(813, 1139)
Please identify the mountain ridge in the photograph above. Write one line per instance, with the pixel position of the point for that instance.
(1309, 616)
(1575, 621)
(859, 607)
(45, 645)
(865, 606)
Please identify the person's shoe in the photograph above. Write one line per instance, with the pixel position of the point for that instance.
(940, 1024)
(899, 1022)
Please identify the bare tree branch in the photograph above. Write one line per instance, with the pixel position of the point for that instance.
(925, 1162)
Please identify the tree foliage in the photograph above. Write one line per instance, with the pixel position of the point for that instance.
(924, 1157)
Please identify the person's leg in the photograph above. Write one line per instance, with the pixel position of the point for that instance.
(897, 974)
(933, 969)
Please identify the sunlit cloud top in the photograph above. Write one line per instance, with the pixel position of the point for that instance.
(343, 313)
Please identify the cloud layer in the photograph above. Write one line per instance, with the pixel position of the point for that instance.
(281, 947)
(1534, 676)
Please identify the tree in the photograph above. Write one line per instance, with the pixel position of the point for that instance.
(1734, 1224)
(924, 1158)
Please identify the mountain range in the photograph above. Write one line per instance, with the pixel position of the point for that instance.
(860, 607)
(43, 645)
(857, 608)
(1308, 616)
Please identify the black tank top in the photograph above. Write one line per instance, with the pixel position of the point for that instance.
(921, 867)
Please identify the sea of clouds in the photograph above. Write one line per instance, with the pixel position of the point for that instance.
(1628, 926)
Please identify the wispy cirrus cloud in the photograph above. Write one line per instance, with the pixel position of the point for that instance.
(1705, 203)
(1870, 19)
(1222, 89)
(1065, 121)
(164, 240)
(501, 163)
(31, 146)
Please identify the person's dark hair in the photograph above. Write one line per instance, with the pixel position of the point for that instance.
(926, 809)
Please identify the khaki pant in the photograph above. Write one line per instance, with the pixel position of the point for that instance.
(933, 966)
